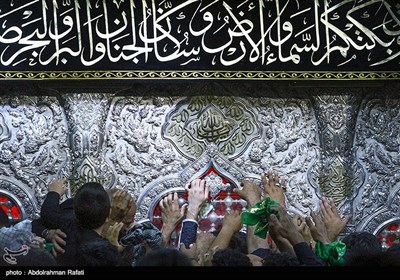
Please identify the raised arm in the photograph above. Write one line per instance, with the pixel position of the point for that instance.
(51, 213)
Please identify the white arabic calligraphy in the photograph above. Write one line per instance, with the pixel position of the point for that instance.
(212, 32)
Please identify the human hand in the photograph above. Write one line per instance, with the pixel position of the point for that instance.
(272, 189)
(250, 192)
(330, 216)
(303, 228)
(283, 227)
(121, 202)
(113, 233)
(57, 237)
(197, 195)
(37, 242)
(190, 252)
(171, 215)
(206, 258)
(58, 186)
(317, 228)
(232, 221)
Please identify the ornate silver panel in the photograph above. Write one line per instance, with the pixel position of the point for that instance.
(334, 142)
(33, 148)
(377, 142)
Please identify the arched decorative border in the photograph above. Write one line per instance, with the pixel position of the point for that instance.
(384, 224)
(24, 200)
(385, 214)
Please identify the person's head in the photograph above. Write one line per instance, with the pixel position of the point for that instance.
(394, 249)
(4, 220)
(280, 259)
(91, 205)
(36, 257)
(164, 257)
(373, 259)
(230, 257)
(361, 243)
(238, 242)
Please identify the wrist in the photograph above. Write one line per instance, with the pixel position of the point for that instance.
(168, 228)
(192, 213)
(45, 233)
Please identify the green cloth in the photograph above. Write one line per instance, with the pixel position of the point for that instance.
(331, 253)
(258, 215)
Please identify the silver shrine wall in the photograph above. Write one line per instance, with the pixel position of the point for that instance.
(150, 139)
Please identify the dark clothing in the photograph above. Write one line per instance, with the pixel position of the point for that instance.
(188, 232)
(306, 256)
(66, 209)
(84, 246)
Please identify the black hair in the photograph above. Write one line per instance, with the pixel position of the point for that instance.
(230, 257)
(373, 259)
(280, 259)
(91, 205)
(164, 257)
(361, 243)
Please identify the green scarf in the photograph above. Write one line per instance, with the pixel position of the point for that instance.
(331, 253)
(258, 215)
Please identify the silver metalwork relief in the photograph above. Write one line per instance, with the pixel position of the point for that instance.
(33, 147)
(377, 145)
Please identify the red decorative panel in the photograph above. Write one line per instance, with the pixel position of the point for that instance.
(221, 199)
(10, 208)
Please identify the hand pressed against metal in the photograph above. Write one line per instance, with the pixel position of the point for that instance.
(274, 188)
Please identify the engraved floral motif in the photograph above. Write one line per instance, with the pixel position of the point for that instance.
(33, 144)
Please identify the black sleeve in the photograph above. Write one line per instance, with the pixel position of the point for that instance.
(38, 227)
(188, 233)
(51, 213)
(305, 255)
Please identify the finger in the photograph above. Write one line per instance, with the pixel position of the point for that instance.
(283, 184)
(273, 219)
(202, 184)
(313, 216)
(58, 248)
(60, 241)
(264, 182)
(162, 205)
(302, 226)
(206, 192)
(347, 219)
(322, 209)
(239, 192)
(327, 206)
(214, 250)
(170, 198)
(175, 197)
(276, 177)
(195, 183)
(61, 234)
(270, 177)
(183, 209)
(334, 208)
(310, 223)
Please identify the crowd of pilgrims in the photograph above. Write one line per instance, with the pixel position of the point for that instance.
(97, 227)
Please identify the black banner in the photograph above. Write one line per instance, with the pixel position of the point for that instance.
(199, 39)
